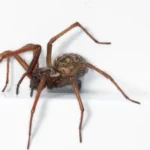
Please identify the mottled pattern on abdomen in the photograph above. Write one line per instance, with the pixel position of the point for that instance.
(66, 63)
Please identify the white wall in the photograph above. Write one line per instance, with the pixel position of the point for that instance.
(124, 23)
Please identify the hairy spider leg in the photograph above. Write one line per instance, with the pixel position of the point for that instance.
(53, 39)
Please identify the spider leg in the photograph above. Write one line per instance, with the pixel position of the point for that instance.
(21, 62)
(40, 88)
(76, 83)
(106, 76)
(7, 75)
(27, 47)
(52, 40)
(8, 54)
(37, 65)
(75, 87)
(31, 67)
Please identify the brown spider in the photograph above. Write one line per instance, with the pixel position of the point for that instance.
(66, 69)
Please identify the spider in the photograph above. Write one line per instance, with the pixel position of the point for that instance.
(66, 70)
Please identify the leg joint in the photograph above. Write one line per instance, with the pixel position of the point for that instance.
(77, 23)
(32, 111)
(52, 40)
(82, 109)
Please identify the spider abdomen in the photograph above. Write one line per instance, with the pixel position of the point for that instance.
(66, 64)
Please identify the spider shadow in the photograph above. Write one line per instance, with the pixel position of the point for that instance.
(67, 93)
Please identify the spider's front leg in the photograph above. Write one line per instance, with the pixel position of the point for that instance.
(31, 67)
(7, 54)
(40, 88)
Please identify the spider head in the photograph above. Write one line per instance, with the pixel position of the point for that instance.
(51, 76)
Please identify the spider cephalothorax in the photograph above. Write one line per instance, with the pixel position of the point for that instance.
(67, 69)
(51, 75)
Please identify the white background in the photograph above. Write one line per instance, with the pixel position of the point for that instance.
(110, 122)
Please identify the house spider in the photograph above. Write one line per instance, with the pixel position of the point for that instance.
(66, 70)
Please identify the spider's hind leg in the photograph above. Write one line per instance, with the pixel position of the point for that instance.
(106, 76)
